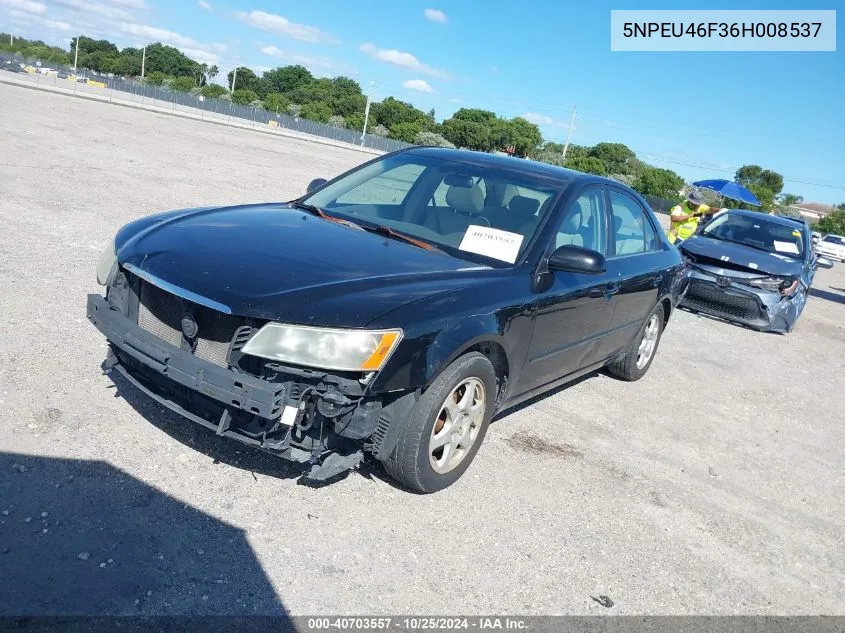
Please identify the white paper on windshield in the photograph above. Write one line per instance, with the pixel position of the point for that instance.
(786, 247)
(483, 240)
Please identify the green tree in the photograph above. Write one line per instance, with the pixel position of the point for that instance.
(316, 91)
(276, 102)
(391, 112)
(525, 136)
(406, 132)
(355, 121)
(213, 71)
(286, 79)
(183, 84)
(243, 96)
(337, 121)
(475, 115)
(346, 96)
(430, 139)
(833, 222)
(245, 79)
(316, 111)
(588, 165)
(663, 183)
(551, 157)
(213, 91)
(378, 130)
(748, 175)
(294, 109)
(467, 133)
(155, 78)
(788, 199)
(614, 156)
(170, 61)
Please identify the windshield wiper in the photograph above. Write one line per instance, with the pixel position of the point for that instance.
(385, 230)
(315, 210)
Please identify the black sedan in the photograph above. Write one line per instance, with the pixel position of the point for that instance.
(752, 269)
(391, 311)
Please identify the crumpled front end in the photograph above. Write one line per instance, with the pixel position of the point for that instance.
(188, 357)
(727, 294)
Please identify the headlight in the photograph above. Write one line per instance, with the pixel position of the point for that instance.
(107, 265)
(326, 348)
(774, 284)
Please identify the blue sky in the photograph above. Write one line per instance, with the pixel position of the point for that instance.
(700, 114)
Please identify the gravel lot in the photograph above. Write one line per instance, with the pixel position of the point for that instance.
(725, 501)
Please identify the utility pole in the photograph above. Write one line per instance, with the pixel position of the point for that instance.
(75, 60)
(569, 134)
(234, 78)
(367, 113)
(143, 61)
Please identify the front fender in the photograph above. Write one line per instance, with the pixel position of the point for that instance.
(425, 352)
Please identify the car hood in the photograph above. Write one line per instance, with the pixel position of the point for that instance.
(730, 255)
(272, 261)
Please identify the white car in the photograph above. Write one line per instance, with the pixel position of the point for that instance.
(832, 246)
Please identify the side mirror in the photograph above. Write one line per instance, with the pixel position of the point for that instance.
(315, 184)
(575, 259)
(823, 262)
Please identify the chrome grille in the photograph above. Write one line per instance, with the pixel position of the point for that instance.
(160, 313)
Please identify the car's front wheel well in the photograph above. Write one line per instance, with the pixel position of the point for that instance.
(667, 310)
(495, 353)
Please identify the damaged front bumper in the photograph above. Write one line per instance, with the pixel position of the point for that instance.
(725, 298)
(310, 417)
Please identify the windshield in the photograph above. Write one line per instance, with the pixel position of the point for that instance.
(834, 239)
(481, 214)
(758, 233)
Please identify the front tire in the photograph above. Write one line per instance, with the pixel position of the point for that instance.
(446, 427)
(639, 355)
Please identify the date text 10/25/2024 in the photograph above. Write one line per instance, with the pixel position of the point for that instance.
(416, 624)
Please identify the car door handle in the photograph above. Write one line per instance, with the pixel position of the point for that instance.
(611, 289)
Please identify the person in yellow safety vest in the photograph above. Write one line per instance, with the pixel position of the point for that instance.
(684, 217)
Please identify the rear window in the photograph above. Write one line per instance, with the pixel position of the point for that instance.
(834, 239)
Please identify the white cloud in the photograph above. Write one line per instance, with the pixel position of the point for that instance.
(435, 15)
(52, 27)
(202, 4)
(26, 6)
(319, 66)
(541, 119)
(419, 85)
(106, 9)
(399, 58)
(207, 53)
(296, 58)
(282, 26)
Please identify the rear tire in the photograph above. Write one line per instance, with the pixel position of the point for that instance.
(640, 354)
(446, 427)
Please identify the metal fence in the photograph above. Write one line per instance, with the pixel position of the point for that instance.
(115, 89)
(660, 205)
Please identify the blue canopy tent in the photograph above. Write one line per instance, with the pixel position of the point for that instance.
(729, 189)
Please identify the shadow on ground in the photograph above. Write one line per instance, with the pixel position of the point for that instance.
(84, 538)
(830, 296)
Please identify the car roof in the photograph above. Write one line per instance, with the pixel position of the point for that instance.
(776, 219)
(511, 163)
